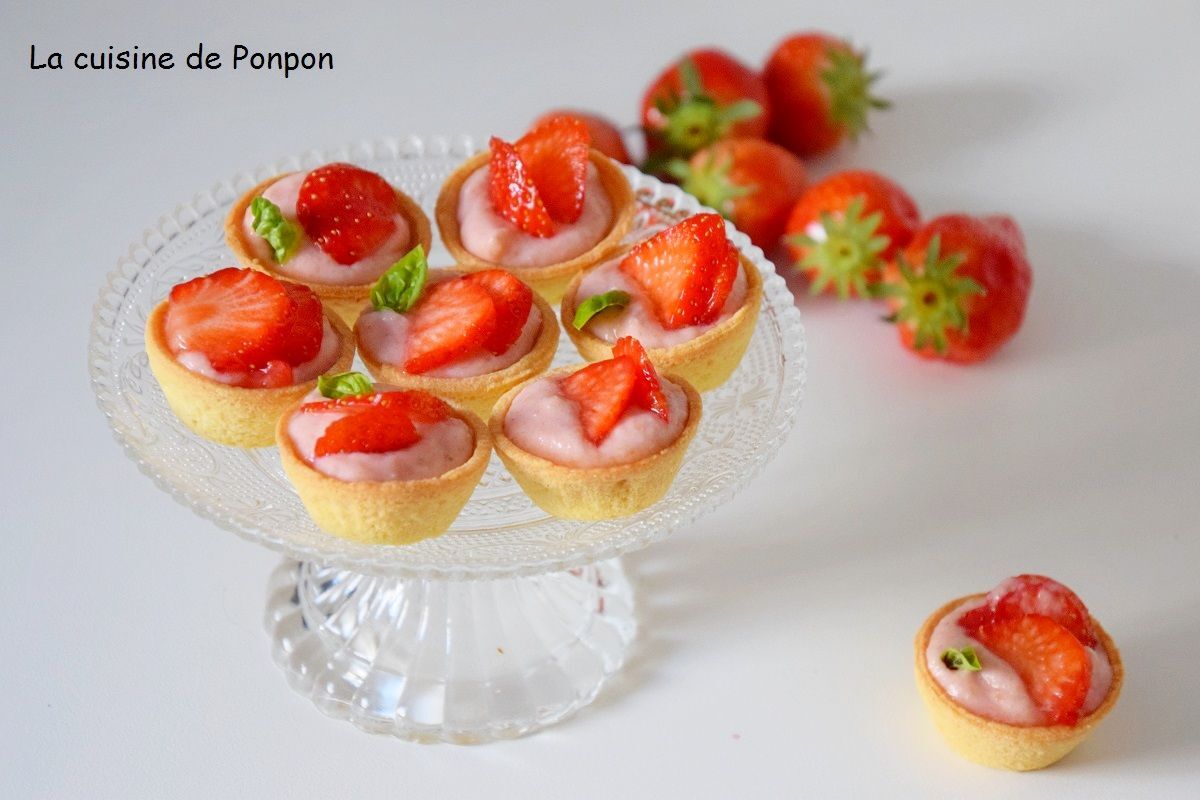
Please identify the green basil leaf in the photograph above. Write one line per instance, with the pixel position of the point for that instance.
(597, 303)
(962, 659)
(347, 384)
(401, 286)
(269, 223)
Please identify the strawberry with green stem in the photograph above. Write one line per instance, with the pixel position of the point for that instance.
(958, 291)
(845, 227)
(705, 96)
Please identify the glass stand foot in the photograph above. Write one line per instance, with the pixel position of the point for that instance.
(449, 661)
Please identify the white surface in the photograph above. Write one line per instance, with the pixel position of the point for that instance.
(776, 637)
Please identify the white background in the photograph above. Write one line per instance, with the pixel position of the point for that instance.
(775, 653)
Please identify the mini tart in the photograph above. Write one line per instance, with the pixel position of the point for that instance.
(345, 300)
(597, 492)
(550, 280)
(706, 361)
(998, 744)
(240, 416)
(385, 512)
(478, 393)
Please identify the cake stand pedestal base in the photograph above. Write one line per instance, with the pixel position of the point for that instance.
(449, 661)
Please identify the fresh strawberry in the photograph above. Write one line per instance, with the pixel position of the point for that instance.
(303, 340)
(1033, 594)
(453, 318)
(512, 298)
(275, 374)
(513, 193)
(820, 93)
(704, 96)
(348, 211)
(846, 226)
(555, 152)
(238, 318)
(958, 290)
(1055, 668)
(686, 270)
(606, 137)
(647, 392)
(376, 429)
(603, 391)
(752, 182)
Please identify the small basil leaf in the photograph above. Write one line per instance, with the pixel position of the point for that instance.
(347, 384)
(269, 223)
(597, 303)
(965, 658)
(401, 286)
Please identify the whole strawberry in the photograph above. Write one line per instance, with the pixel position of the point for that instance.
(820, 93)
(704, 96)
(959, 289)
(606, 136)
(844, 228)
(752, 182)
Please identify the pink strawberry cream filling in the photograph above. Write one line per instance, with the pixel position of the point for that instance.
(544, 422)
(383, 334)
(996, 691)
(443, 446)
(331, 348)
(638, 318)
(309, 263)
(489, 236)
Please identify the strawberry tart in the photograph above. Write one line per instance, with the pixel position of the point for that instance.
(1017, 678)
(466, 338)
(335, 229)
(601, 441)
(545, 207)
(233, 349)
(379, 465)
(685, 293)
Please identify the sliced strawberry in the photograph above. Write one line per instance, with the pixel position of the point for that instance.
(377, 429)
(454, 318)
(303, 340)
(556, 154)
(686, 270)
(275, 374)
(238, 318)
(1034, 594)
(603, 391)
(647, 392)
(513, 300)
(1055, 668)
(513, 193)
(348, 211)
(420, 406)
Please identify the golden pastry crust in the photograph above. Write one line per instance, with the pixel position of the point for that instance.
(998, 744)
(598, 492)
(706, 361)
(232, 415)
(348, 300)
(385, 512)
(477, 393)
(550, 280)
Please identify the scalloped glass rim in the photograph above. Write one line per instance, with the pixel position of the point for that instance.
(497, 535)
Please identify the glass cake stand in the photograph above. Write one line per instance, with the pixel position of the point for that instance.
(510, 621)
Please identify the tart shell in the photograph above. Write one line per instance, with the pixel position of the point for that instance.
(478, 393)
(232, 415)
(706, 361)
(550, 280)
(998, 744)
(598, 492)
(385, 512)
(345, 300)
